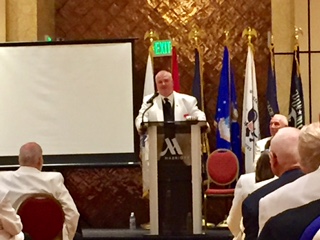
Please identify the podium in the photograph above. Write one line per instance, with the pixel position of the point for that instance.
(175, 177)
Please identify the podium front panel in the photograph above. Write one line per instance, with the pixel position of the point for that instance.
(175, 170)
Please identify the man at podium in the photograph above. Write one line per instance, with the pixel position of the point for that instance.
(174, 172)
(168, 105)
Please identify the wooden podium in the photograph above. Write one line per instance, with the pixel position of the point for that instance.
(175, 177)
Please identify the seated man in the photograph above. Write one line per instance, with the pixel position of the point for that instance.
(246, 184)
(10, 223)
(277, 122)
(284, 159)
(303, 190)
(29, 179)
(291, 223)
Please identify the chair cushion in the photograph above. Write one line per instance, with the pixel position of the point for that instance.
(225, 191)
(42, 217)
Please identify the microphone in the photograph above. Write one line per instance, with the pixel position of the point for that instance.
(149, 101)
(153, 97)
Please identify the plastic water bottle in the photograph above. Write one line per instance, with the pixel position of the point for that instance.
(132, 221)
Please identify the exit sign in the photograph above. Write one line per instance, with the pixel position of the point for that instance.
(162, 48)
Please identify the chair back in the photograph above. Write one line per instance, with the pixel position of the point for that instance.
(222, 167)
(42, 217)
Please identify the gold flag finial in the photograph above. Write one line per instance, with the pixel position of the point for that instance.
(174, 42)
(227, 36)
(297, 32)
(151, 35)
(270, 40)
(196, 34)
(250, 33)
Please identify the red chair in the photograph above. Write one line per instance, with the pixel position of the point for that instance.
(42, 217)
(222, 170)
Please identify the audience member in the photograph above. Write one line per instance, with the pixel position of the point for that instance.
(284, 159)
(277, 122)
(10, 222)
(246, 184)
(29, 179)
(303, 190)
(263, 167)
(291, 223)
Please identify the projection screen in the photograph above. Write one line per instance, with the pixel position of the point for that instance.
(73, 98)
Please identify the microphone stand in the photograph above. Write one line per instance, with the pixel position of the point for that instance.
(142, 121)
(152, 103)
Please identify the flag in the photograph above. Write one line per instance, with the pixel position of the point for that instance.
(296, 105)
(250, 114)
(197, 92)
(197, 83)
(175, 70)
(144, 147)
(272, 102)
(228, 128)
(222, 119)
(148, 80)
(235, 126)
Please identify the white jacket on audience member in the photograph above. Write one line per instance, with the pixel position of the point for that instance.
(295, 194)
(10, 222)
(245, 185)
(28, 180)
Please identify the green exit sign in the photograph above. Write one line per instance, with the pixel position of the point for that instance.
(162, 48)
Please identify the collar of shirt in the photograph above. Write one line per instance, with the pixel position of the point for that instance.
(170, 97)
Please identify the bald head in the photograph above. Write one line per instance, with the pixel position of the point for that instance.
(30, 155)
(309, 147)
(164, 83)
(284, 150)
(277, 122)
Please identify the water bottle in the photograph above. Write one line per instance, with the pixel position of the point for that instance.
(132, 221)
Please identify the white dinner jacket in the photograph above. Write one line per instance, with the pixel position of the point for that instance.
(245, 185)
(184, 105)
(295, 194)
(28, 180)
(316, 236)
(10, 222)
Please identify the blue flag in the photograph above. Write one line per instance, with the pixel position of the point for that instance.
(235, 126)
(272, 102)
(196, 87)
(222, 119)
(296, 106)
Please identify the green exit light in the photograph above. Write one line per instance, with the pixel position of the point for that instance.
(47, 38)
(162, 48)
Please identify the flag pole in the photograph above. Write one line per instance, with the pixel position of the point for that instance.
(195, 36)
(296, 101)
(250, 113)
(151, 35)
(297, 31)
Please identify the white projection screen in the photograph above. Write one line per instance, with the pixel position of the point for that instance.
(73, 98)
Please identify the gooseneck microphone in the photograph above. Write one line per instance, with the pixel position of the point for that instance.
(148, 102)
(156, 94)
